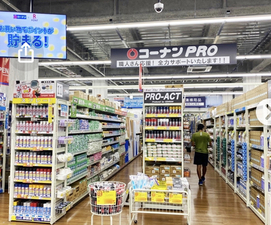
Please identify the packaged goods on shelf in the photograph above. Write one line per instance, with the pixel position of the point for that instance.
(33, 158)
(164, 150)
(163, 134)
(62, 207)
(240, 120)
(163, 109)
(38, 211)
(111, 132)
(34, 141)
(29, 191)
(121, 149)
(32, 111)
(230, 121)
(29, 126)
(35, 174)
(241, 185)
(95, 157)
(94, 147)
(87, 125)
(163, 122)
(253, 120)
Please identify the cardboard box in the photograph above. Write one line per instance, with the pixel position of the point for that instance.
(70, 197)
(175, 170)
(174, 86)
(152, 170)
(257, 94)
(164, 177)
(78, 94)
(164, 169)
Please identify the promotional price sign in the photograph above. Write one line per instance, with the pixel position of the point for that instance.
(167, 95)
(106, 197)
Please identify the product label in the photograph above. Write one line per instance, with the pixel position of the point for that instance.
(167, 140)
(158, 197)
(141, 196)
(106, 197)
(175, 198)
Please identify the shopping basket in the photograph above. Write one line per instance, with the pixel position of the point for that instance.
(107, 199)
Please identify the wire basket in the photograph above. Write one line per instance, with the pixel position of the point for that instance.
(107, 197)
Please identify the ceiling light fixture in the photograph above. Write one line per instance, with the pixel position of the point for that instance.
(184, 22)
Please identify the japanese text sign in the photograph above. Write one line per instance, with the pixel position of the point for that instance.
(44, 33)
(195, 102)
(167, 95)
(136, 102)
(216, 54)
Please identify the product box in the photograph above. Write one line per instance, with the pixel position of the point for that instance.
(222, 109)
(164, 177)
(70, 196)
(152, 170)
(175, 170)
(164, 169)
(256, 176)
(239, 102)
(256, 157)
(41, 89)
(257, 94)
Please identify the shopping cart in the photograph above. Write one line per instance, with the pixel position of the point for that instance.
(107, 199)
(167, 202)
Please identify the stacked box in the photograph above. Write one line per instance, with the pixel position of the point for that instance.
(258, 199)
(256, 157)
(164, 172)
(222, 109)
(152, 170)
(78, 94)
(176, 171)
(253, 120)
(257, 94)
(256, 177)
(255, 137)
(239, 102)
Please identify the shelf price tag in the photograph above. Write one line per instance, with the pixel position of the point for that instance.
(150, 115)
(161, 128)
(149, 158)
(161, 115)
(141, 196)
(174, 128)
(28, 165)
(167, 140)
(106, 197)
(160, 159)
(157, 197)
(175, 198)
(151, 140)
(149, 128)
(174, 115)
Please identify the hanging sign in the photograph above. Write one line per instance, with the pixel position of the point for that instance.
(215, 54)
(195, 102)
(4, 71)
(167, 95)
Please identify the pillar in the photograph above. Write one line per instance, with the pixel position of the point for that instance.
(102, 91)
(20, 71)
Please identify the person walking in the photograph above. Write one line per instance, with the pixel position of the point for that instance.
(200, 141)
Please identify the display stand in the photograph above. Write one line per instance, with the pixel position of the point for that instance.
(3, 148)
(34, 149)
(112, 135)
(163, 133)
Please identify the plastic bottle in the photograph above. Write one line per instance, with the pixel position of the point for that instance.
(262, 140)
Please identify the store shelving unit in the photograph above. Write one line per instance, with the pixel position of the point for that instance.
(210, 126)
(3, 149)
(111, 128)
(163, 125)
(29, 144)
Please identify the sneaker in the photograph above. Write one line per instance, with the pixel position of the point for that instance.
(202, 179)
(200, 182)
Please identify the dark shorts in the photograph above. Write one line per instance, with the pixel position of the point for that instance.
(201, 159)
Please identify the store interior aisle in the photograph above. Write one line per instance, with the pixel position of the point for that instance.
(213, 203)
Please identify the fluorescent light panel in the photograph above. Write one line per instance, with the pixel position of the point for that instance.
(184, 22)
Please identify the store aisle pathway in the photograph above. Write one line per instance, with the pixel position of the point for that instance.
(212, 204)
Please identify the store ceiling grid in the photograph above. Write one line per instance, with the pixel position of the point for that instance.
(251, 37)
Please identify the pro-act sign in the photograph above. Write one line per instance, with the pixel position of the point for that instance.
(167, 95)
(215, 54)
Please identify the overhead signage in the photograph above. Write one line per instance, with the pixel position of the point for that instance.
(4, 71)
(167, 95)
(195, 102)
(44, 33)
(136, 102)
(215, 54)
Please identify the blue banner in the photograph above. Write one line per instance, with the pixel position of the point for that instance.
(195, 102)
(136, 102)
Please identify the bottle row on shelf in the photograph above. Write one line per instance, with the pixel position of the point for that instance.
(32, 210)
(31, 190)
(164, 134)
(34, 141)
(89, 125)
(32, 111)
(33, 157)
(33, 174)
(29, 126)
(163, 122)
(163, 109)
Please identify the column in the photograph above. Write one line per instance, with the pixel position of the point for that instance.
(20, 71)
